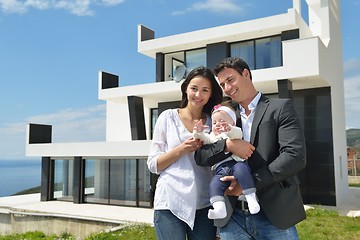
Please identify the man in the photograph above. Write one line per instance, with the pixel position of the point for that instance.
(275, 148)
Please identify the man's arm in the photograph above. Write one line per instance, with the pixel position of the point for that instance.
(291, 149)
(211, 154)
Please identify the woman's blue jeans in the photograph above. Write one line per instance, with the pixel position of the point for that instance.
(243, 225)
(169, 227)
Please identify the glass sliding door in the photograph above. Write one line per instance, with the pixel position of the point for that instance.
(97, 181)
(123, 185)
(144, 187)
(117, 182)
(63, 179)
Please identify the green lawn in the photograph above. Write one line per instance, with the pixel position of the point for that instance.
(325, 224)
(354, 184)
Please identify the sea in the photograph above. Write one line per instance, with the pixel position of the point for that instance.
(18, 175)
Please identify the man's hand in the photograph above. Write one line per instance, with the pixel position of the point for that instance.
(240, 148)
(234, 189)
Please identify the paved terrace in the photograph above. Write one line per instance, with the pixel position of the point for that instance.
(27, 213)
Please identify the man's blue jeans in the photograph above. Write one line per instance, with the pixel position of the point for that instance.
(169, 227)
(243, 225)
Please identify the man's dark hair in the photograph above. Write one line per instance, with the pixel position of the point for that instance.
(232, 62)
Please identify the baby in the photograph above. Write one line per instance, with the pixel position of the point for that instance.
(223, 126)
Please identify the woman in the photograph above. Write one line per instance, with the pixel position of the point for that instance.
(181, 198)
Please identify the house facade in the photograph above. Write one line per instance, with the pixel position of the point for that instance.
(289, 58)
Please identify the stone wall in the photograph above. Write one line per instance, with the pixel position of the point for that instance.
(79, 228)
(354, 179)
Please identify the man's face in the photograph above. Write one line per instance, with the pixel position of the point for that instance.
(234, 84)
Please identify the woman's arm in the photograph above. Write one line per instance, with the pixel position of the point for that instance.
(188, 146)
(162, 155)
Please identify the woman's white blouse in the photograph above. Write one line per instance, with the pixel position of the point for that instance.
(182, 187)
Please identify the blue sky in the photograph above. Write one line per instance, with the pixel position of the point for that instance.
(51, 52)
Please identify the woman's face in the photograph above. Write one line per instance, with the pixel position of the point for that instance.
(198, 91)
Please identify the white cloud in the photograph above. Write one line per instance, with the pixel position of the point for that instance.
(76, 7)
(352, 64)
(215, 6)
(111, 2)
(69, 125)
(75, 125)
(352, 88)
(352, 93)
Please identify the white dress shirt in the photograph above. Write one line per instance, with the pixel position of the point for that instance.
(246, 121)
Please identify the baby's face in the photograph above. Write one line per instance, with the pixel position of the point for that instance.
(219, 120)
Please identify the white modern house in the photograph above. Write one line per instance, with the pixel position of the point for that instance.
(290, 58)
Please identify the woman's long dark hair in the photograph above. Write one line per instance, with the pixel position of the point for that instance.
(216, 91)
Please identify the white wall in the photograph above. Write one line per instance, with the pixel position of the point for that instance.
(117, 121)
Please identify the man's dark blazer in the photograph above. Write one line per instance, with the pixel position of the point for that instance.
(277, 135)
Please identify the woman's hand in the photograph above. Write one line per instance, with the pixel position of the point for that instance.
(190, 145)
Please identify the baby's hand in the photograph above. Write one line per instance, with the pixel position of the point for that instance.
(224, 127)
(199, 127)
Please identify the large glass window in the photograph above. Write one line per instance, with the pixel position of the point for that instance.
(123, 182)
(97, 181)
(245, 51)
(172, 62)
(63, 179)
(117, 181)
(268, 52)
(144, 186)
(154, 116)
(259, 53)
(195, 58)
(178, 70)
(89, 178)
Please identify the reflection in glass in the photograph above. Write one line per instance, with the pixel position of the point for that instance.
(123, 182)
(117, 181)
(97, 180)
(245, 51)
(89, 177)
(178, 70)
(268, 52)
(154, 117)
(259, 53)
(195, 58)
(63, 179)
(144, 184)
